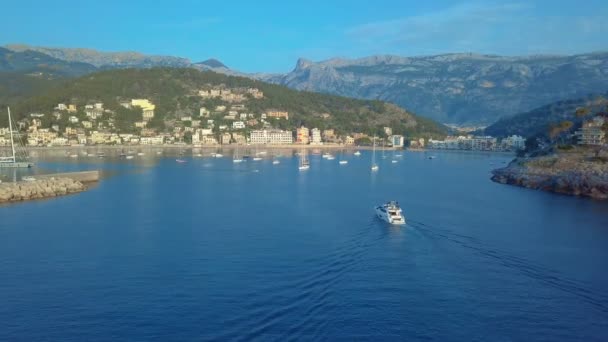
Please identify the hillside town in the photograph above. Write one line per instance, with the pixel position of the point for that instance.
(230, 121)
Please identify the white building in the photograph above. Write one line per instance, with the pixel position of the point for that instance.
(315, 136)
(514, 143)
(273, 137)
(73, 119)
(238, 125)
(156, 140)
(396, 140)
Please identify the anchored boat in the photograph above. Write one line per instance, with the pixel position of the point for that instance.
(11, 161)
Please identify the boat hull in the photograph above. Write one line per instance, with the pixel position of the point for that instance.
(394, 220)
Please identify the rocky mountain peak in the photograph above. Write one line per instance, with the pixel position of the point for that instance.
(302, 64)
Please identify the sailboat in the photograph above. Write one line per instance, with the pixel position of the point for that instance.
(256, 156)
(383, 156)
(304, 164)
(394, 160)
(11, 161)
(342, 161)
(237, 158)
(375, 166)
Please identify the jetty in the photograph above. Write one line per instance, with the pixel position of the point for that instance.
(47, 186)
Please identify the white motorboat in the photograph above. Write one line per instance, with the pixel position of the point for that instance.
(129, 157)
(256, 158)
(391, 213)
(275, 162)
(394, 161)
(28, 179)
(343, 162)
(357, 153)
(140, 154)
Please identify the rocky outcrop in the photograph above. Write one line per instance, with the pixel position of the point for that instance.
(571, 174)
(43, 188)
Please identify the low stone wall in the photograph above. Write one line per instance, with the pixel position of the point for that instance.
(40, 188)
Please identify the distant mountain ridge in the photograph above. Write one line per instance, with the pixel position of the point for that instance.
(458, 88)
(455, 88)
(101, 59)
(30, 61)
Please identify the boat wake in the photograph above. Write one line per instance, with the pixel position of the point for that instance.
(539, 273)
(303, 305)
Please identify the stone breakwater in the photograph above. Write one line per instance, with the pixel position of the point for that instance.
(564, 174)
(42, 188)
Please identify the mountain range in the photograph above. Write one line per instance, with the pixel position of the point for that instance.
(456, 88)
(450, 88)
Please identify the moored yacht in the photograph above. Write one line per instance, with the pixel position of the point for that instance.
(391, 213)
(357, 153)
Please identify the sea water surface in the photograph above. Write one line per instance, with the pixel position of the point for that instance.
(211, 250)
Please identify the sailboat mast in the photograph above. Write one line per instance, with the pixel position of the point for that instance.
(374, 150)
(10, 125)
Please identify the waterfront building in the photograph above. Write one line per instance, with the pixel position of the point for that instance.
(513, 143)
(155, 140)
(396, 140)
(41, 137)
(315, 136)
(226, 138)
(486, 143)
(271, 136)
(208, 140)
(302, 135)
(348, 140)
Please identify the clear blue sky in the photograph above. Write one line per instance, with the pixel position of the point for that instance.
(269, 36)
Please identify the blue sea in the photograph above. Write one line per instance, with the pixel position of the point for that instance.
(211, 250)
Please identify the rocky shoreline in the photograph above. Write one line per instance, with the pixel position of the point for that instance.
(39, 189)
(576, 174)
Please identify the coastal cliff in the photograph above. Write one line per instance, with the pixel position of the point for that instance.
(42, 188)
(579, 172)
